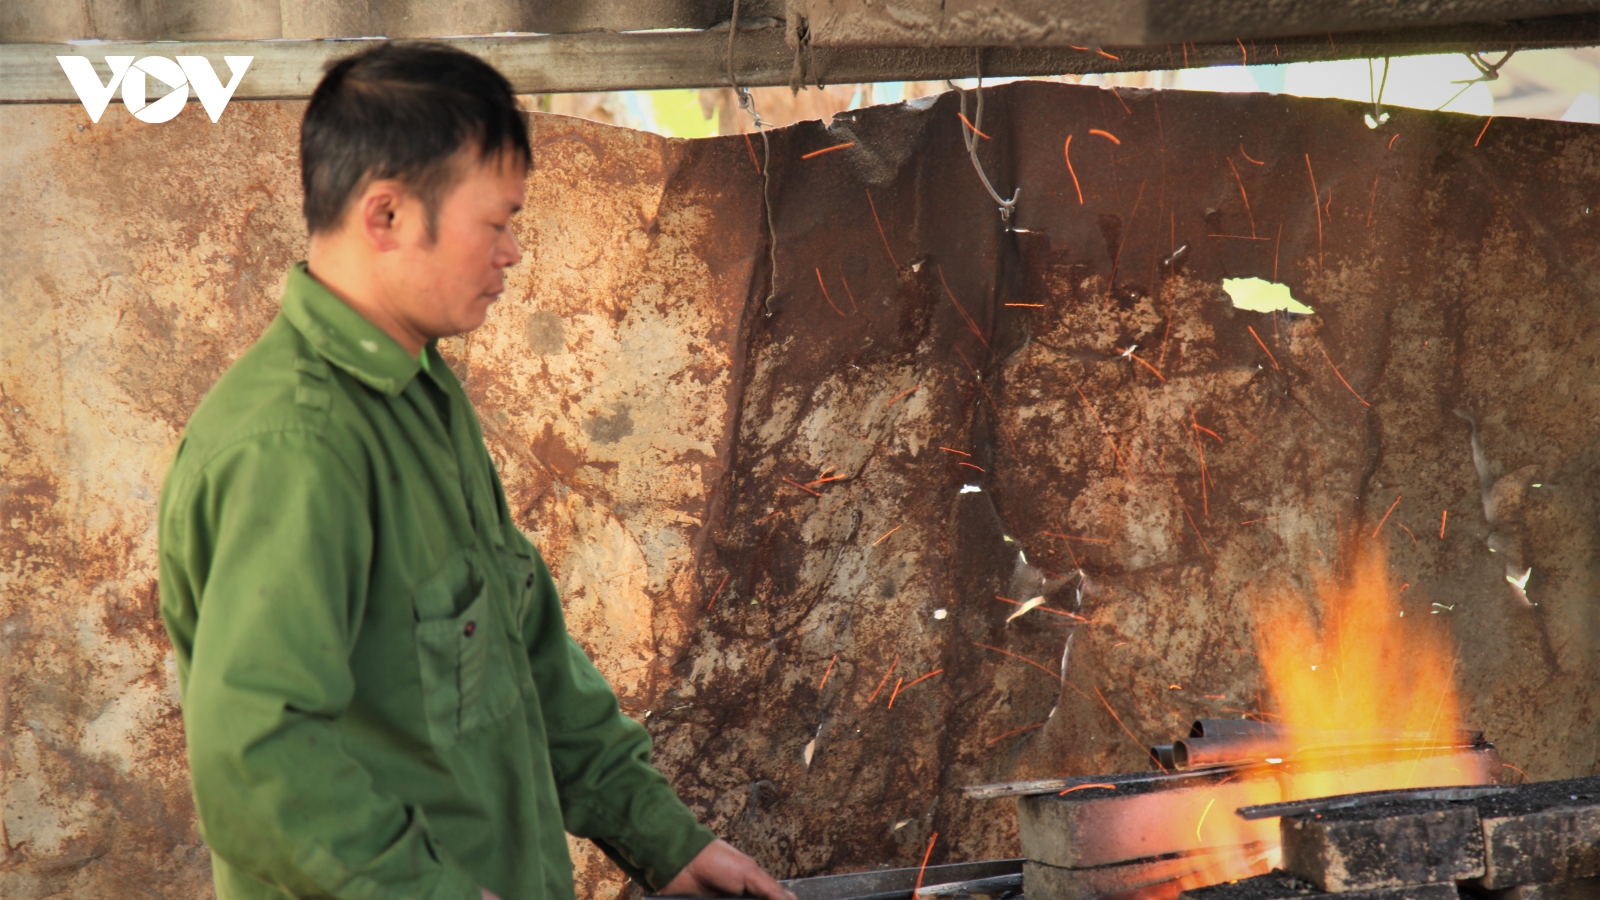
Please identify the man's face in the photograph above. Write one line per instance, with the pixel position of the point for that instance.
(443, 285)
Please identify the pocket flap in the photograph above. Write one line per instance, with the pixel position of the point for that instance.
(448, 591)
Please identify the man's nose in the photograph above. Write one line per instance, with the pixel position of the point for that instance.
(507, 252)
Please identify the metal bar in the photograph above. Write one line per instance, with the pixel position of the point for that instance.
(606, 61)
(1055, 785)
(897, 884)
(1346, 801)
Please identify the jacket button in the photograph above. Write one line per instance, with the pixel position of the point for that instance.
(471, 627)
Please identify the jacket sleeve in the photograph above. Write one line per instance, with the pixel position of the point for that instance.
(271, 545)
(609, 792)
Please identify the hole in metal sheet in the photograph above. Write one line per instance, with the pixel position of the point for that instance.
(1258, 295)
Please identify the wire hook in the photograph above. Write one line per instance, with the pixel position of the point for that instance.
(970, 137)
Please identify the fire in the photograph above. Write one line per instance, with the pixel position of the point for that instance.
(1367, 701)
(1364, 678)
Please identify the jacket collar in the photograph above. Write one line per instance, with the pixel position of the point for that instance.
(344, 337)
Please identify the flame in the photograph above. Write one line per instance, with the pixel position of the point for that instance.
(1362, 670)
(1369, 701)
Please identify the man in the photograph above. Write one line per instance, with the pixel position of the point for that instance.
(379, 692)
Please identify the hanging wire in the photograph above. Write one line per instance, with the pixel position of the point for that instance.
(1377, 117)
(748, 104)
(1487, 71)
(970, 135)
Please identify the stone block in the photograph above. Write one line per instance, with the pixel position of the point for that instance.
(1577, 889)
(1278, 886)
(1144, 817)
(1384, 845)
(1543, 833)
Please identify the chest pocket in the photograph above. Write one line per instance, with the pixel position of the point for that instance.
(468, 680)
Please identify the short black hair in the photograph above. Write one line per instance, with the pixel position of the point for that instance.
(402, 110)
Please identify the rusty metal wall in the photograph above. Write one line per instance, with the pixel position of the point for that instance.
(647, 401)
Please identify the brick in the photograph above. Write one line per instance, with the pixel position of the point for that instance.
(1278, 886)
(1577, 889)
(1144, 818)
(1384, 845)
(1542, 833)
(1046, 882)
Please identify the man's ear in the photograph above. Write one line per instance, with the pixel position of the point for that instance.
(377, 214)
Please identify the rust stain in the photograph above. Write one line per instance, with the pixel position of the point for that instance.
(643, 405)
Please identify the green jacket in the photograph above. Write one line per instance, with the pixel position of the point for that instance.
(379, 692)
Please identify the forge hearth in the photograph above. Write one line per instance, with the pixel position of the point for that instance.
(1538, 841)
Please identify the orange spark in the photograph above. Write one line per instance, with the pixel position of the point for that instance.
(1392, 140)
(802, 487)
(1341, 376)
(1485, 129)
(913, 684)
(827, 673)
(1023, 658)
(1107, 55)
(1135, 357)
(1073, 537)
(1235, 170)
(718, 592)
(1198, 427)
(896, 692)
(1316, 202)
(1107, 135)
(1136, 742)
(1117, 95)
(886, 534)
(1067, 151)
(1264, 347)
(878, 222)
(847, 292)
(825, 295)
(1103, 430)
(971, 127)
(1085, 787)
(1444, 516)
(1275, 248)
(1247, 156)
(954, 450)
(816, 153)
(1060, 612)
(885, 678)
(972, 325)
(752, 148)
(971, 466)
(924, 866)
(1185, 506)
(1386, 516)
(899, 396)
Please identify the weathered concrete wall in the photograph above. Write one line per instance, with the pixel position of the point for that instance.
(645, 403)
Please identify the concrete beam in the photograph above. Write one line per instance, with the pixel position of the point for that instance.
(607, 61)
(934, 23)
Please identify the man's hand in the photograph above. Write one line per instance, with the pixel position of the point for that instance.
(720, 870)
(488, 894)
